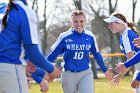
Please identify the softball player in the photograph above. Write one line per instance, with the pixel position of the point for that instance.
(18, 25)
(76, 45)
(118, 23)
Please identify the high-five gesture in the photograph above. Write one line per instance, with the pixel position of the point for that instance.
(54, 74)
(109, 74)
(137, 42)
(120, 67)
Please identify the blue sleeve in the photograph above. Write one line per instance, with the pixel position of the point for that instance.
(37, 78)
(57, 49)
(34, 55)
(98, 57)
(100, 62)
(138, 76)
(134, 60)
(39, 72)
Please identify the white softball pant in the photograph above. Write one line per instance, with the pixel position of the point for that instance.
(78, 82)
(13, 78)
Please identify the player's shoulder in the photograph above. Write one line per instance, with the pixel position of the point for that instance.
(129, 33)
(89, 33)
(25, 12)
(66, 33)
(24, 8)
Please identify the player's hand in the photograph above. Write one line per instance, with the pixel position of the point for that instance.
(120, 67)
(44, 85)
(109, 74)
(115, 81)
(54, 74)
(30, 67)
(135, 83)
(47, 77)
(137, 42)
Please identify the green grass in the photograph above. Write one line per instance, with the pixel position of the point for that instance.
(102, 85)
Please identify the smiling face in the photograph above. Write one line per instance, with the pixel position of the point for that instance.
(116, 27)
(117, 23)
(78, 21)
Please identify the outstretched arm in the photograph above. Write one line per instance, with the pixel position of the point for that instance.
(134, 60)
(107, 71)
(34, 55)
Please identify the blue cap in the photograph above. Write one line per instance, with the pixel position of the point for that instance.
(24, 1)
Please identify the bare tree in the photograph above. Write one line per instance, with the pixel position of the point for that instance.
(44, 30)
(111, 7)
(99, 26)
(78, 4)
(134, 2)
(113, 37)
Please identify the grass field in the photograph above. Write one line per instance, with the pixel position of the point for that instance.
(101, 86)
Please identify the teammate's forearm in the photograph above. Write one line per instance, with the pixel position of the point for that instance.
(37, 58)
(134, 60)
(52, 56)
(100, 61)
(121, 74)
(138, 76)
(37, 79)
(40, 72)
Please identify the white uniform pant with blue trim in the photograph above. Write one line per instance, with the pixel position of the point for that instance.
(13, 78)
(78, 82)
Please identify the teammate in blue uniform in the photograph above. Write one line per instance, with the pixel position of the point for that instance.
(18, 26)
(76, 45)
(131, 62)
(118, 23)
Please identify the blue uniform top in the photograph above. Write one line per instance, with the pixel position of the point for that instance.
(21, 30)
(126, 41)
(17, 33)
(76, 48)
(126, 45)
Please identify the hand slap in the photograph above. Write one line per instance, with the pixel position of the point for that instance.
(120, 67)
(109, 74)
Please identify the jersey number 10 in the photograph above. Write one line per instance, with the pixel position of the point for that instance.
(78, 55)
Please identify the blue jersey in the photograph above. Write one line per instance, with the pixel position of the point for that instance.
(126, 41)
(76, 48)
(21, 29)
(3, 8)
